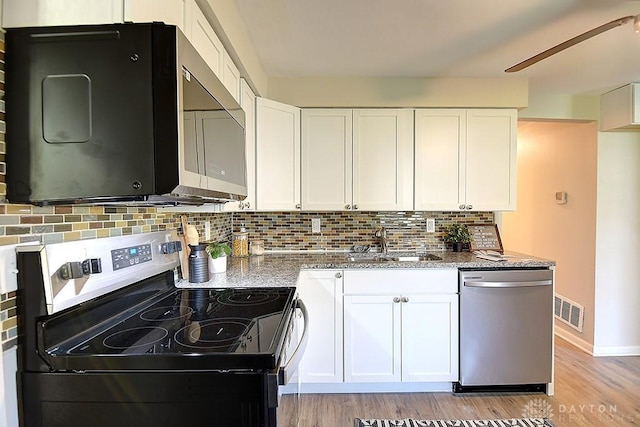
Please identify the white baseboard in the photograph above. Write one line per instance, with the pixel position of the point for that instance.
(632, 350)
(597, 351)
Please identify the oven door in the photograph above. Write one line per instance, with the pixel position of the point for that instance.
(288, 411)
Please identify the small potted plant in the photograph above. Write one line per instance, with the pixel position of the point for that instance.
(218, 257)
(457, 235)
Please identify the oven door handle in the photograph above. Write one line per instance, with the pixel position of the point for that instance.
(289, 369)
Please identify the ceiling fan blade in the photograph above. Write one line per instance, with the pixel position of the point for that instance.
(567, 44)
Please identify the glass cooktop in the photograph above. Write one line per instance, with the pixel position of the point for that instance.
(146, 328)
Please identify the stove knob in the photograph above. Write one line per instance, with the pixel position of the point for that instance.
(70, 270)
(92, 266)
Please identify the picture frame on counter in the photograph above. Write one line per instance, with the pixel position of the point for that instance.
(485, 237)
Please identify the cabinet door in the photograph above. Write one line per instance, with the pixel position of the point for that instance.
(321, 292)
(430, 338)
(206, 42)
(382, 159)
(439, 137)
(38, 13)
(277, 156)
(326, 159)
(231, 76)
(248, 104)
(490, 182)
(372, 329)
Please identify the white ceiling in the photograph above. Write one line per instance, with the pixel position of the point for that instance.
(446, 38)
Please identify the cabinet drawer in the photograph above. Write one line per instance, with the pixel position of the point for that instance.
(396, 280)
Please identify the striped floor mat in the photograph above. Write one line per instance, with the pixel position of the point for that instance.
(410, 422)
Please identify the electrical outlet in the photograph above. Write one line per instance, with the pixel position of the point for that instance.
(315, 225)
(431, 225)
(207, 231)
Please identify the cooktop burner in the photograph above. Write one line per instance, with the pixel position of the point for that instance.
(135, 337)
(245, 298)
(216, 333)
(161, 314)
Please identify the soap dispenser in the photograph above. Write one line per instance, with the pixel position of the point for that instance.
(240, 245)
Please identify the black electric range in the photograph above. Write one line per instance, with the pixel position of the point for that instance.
(106, 337)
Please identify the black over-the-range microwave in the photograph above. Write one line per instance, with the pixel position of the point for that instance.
(121, 113)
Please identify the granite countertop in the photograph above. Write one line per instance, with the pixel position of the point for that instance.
(282, 269)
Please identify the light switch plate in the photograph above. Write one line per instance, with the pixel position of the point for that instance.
(315, 225)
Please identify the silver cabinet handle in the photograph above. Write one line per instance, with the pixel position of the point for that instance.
(347, 207)
(355, 206)
(405, 299)
(462, 207)
(469, 207)
(298, 206)
(396, 299)
(248, 205)
(338, 275)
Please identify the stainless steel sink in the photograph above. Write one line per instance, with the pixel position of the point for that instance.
(393, 258)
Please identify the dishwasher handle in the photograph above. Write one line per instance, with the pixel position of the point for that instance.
(491, 284)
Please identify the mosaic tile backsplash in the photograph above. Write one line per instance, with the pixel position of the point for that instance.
(291, 231)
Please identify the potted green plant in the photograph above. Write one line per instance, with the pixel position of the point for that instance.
(458, 236)
(218, 257)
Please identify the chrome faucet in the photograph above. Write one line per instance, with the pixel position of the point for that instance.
(381, 234)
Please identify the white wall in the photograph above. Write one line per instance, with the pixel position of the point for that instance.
(617, 293)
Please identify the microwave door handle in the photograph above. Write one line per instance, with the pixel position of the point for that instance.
(288, 370)
(485, 284)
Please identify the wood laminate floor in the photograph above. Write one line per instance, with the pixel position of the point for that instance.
(589, 391)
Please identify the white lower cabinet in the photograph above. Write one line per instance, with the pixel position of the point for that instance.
(372, 339)
(430, 337)
(400, 326)
(321, 292)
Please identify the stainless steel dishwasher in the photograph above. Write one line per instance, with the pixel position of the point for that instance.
(506, 330)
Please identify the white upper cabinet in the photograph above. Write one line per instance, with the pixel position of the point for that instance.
(206, 42)
(327, 157)
(277, 156)
(491, 160)
(248, 104)
(439, 140)
(465, 159)
(38, 13)
(231, 76)
(357, 159)
(383, 159)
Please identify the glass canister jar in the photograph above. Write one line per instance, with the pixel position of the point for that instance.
(240, 243)
(257, 247)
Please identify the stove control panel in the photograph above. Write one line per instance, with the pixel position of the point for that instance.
(128, 257)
